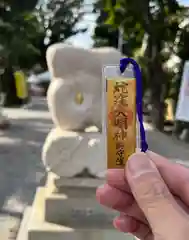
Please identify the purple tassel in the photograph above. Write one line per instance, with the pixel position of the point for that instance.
(124, 62)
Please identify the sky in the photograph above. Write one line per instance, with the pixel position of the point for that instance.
(84, 40)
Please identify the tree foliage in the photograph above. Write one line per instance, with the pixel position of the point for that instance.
(160, 21)
(60, 19)
(28, 28)
(104, 34)
(18, 27)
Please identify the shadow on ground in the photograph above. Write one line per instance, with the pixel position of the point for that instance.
(21, 168)
(168, 146)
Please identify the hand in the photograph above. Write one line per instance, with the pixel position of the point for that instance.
(152, 197)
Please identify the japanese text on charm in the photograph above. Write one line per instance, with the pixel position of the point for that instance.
(120, 119)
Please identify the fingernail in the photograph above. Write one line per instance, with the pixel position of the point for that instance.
(121, 225)
(139, 164)
(126, 224)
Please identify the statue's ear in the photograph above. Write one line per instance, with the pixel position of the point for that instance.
(107, 55)
(54, 59)
(63, 60)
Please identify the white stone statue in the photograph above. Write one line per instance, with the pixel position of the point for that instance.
(74, 100)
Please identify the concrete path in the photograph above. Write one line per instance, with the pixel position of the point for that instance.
(21, 169)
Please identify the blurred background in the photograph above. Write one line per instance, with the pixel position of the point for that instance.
(154, 32)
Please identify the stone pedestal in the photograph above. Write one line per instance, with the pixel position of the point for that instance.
(67, 153)
(71, 214)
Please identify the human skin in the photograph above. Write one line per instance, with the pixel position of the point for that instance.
(152, 196)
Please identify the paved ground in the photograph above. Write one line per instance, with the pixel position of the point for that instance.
(21, 170)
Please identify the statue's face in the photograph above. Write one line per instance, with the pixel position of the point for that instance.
(75, 100)
(74, 96)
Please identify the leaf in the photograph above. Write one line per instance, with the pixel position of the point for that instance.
(110, 20)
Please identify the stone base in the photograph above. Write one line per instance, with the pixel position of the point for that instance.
(68, 153)
(72, 216)
(77, 201)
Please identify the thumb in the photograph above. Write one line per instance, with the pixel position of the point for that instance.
(152, 194)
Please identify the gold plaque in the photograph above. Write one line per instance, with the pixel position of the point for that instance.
(121, 120)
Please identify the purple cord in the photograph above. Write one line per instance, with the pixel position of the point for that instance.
(123, 65)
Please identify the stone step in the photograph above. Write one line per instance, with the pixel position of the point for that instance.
(78, 211)
(34, 227)
(97, 234)
(79, 187)
(77, 200)
(23, 230)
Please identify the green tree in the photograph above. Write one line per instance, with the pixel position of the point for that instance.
(60, 20)
(27, 30)
(182, 51)
(159, 20)
(104, 35)
(18, 26)
(111, 18)
(18, 5)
